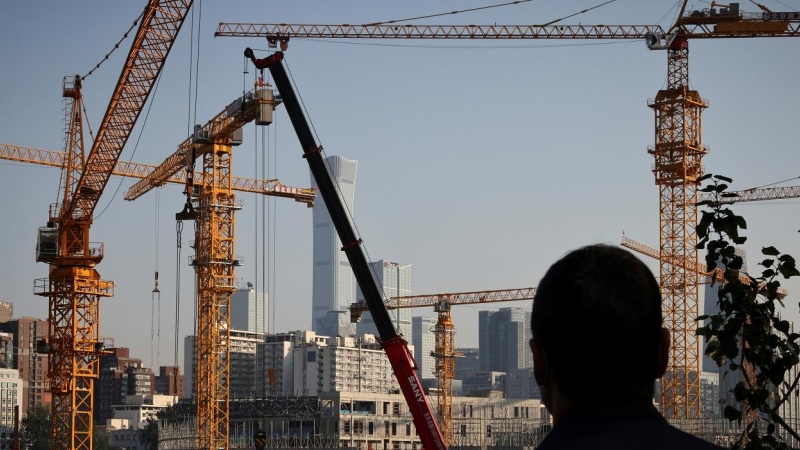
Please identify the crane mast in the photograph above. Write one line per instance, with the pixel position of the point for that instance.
(74, 286)
(393, 343)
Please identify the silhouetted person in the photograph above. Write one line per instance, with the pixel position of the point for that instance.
(598, 347)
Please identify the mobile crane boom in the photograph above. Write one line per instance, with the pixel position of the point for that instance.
(393, 343)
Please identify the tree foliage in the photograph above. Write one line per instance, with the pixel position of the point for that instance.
(36, 428)
(748, 333)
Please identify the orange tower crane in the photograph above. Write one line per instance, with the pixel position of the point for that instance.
(444, 350)
(131, 169)
(74, 286)
(212, 205)
(678, 148)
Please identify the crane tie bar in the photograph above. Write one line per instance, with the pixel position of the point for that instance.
(356, 242)
(312, 150)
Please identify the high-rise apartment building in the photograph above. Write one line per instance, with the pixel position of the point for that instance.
(397, 281)
(32, 365)
(245, 378)
(10, 395)
(249, 310)
(355, 364)
(290, 363)
(424, 343)
(114, 383)
(503, 340)
(169, 381)
(332, 276)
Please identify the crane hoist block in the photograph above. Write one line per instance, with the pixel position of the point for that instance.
(266, 106)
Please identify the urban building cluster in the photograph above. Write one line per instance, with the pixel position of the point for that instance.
(332, 379)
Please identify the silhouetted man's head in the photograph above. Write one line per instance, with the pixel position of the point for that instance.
(597, 328)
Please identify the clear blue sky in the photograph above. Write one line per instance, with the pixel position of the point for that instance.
(480, 163)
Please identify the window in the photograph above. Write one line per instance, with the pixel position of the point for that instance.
(408, 429)
(371, 428)
(463, 430)
(394, 429)
(488, 431)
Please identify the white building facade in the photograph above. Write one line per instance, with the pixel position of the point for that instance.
(10, 395)
(397, 280)
(249, 310)
(424, 341)
(333, 282)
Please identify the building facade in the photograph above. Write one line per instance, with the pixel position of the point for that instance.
(249, 310)
(290, 363)
(113, 384)
(333, 283)
(503, 338)
(169, 381)
(397, 281)
(245, 376)
(10, 395)
(32, 365)
(130, 417)
(467, 364)
(424, 343)
(355, 364)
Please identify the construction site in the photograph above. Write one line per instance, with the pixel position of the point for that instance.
(492, 139)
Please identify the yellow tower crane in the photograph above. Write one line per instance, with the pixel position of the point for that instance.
(131, 169)
(678, 148)
(211, 204)
(444, 350)
(74, 286)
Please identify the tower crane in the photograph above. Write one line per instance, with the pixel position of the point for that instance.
(74, 286)
(444, 350)
(131, 169)
(211, 204)
(678, 149)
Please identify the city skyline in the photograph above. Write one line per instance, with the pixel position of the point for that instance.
(481, 174)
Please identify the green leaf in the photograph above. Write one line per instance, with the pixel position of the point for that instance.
(729, 195)
(732, 414)
(788, 272)
(705, 177)
(723, 178)
(770, 251)
(767, 262)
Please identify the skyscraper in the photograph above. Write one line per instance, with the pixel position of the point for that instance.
(424, 343)
(503, 340)
(397, 281)
(249, 310)
(332, 276)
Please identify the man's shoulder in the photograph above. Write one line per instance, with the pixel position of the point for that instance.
(645, 433)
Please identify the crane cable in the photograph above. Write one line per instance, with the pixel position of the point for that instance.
(155, 296)
(116, 46)
(179, 232)
(446, 13)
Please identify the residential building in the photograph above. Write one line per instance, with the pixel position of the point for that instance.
(290, 363)
(332, 276)
(243, 370)
(32, 365)
(114, 382)
(169, 381)
(249, 310)
(709, 395)
(6, 350)
(130, 417)
(355, 364)
(6, 312)
(424, 344)
(10, 395)
(141, 381)
(244, 374)
(397, 281)
(503, 338)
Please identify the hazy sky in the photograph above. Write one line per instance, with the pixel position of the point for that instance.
(479, 162)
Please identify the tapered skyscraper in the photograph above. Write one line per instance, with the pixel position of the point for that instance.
(333, 288)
